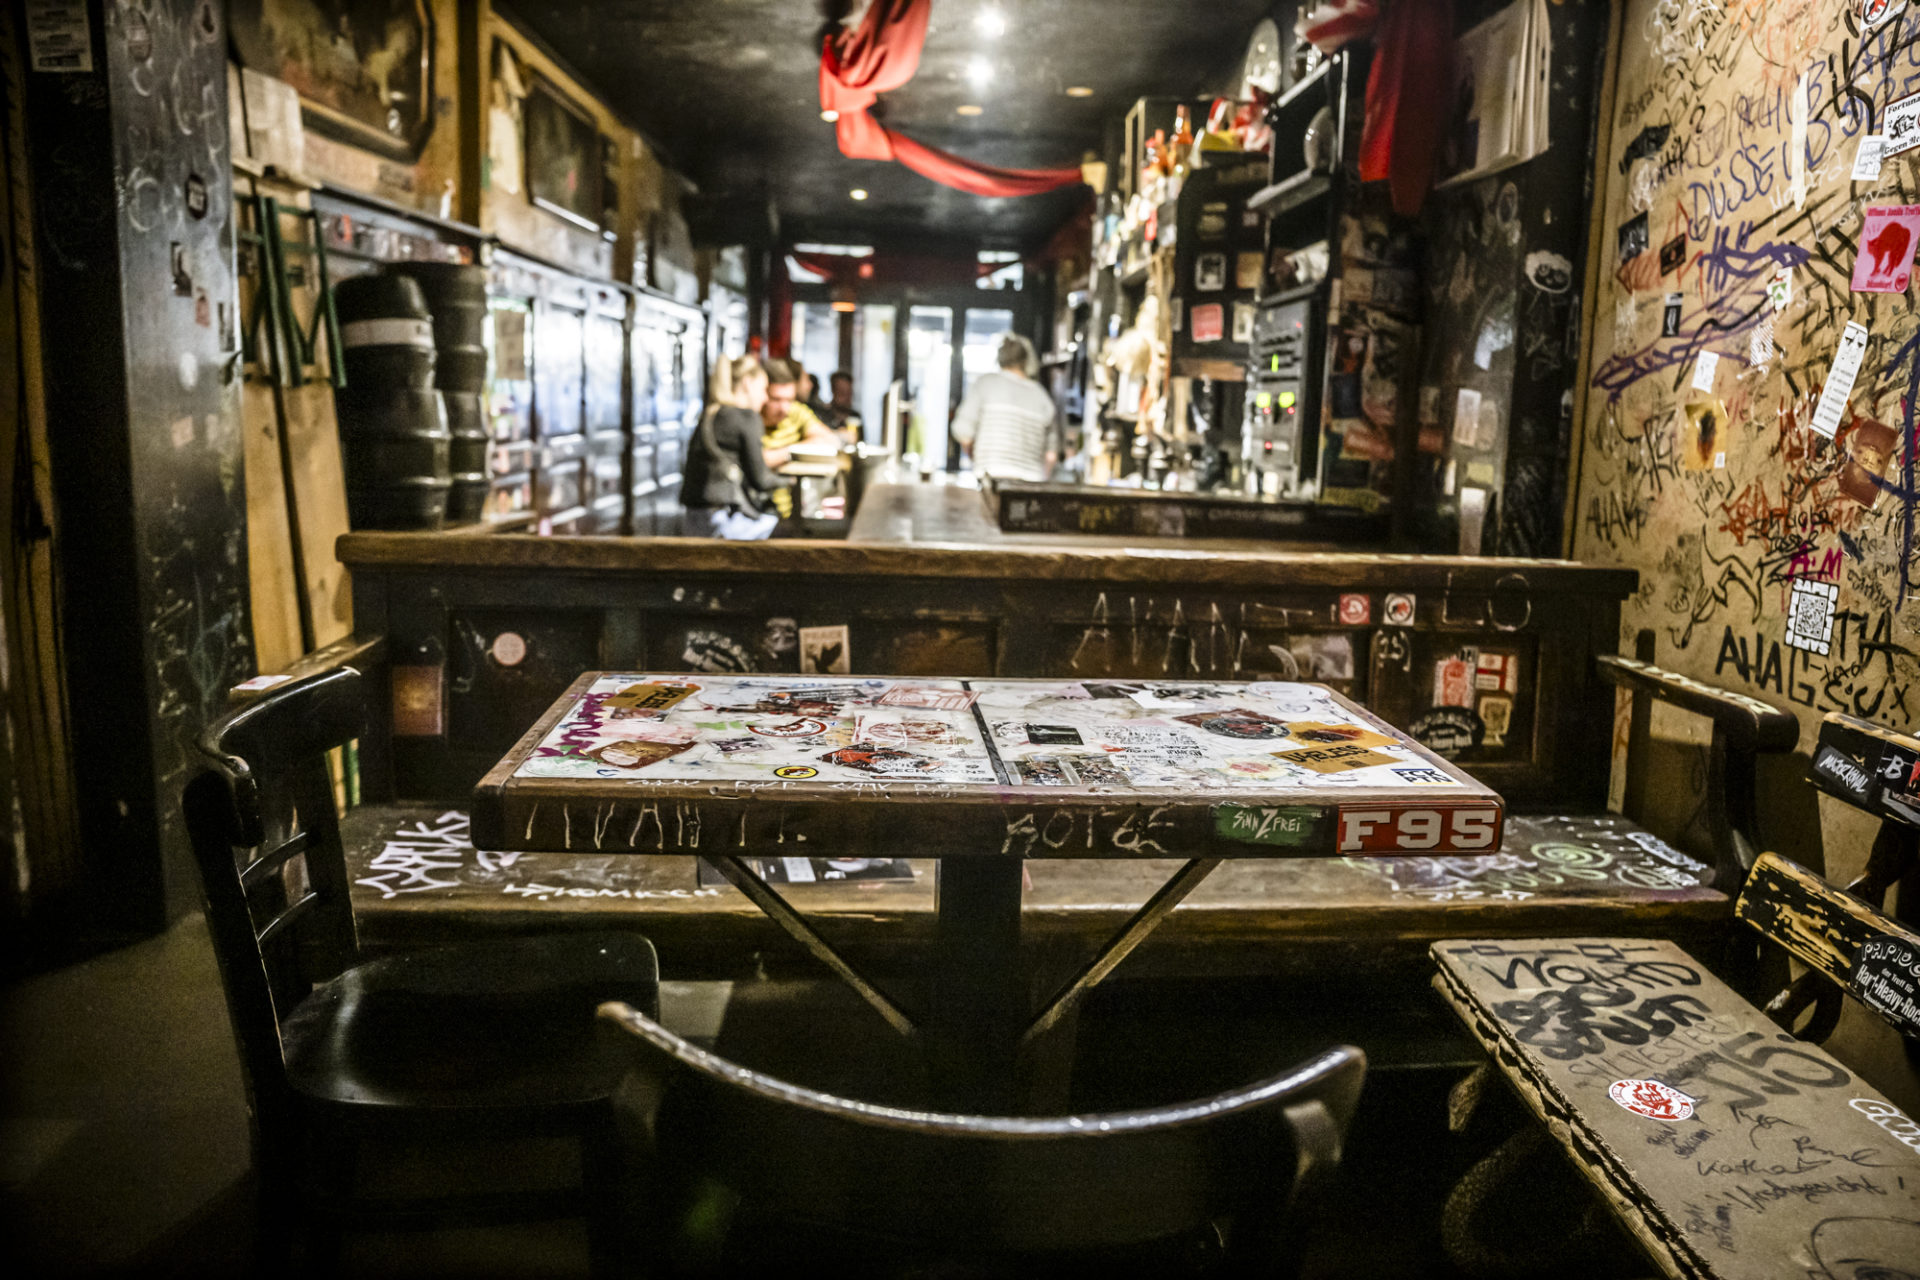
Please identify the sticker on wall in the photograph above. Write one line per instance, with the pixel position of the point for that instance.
(1398, 609)
(1209, 322)
(1875, 12)
(1356, 610)
(1900, 126)
(1673, 254)
(1243, 313)
(1705, 365)
(1868, 447)
(1448, 731)
(1868, 157)
(1633, 239)
(1886, 977)
(1797, 144)
(1810, 615)
(1453, 683)
(1670, 316)
(509, 649)
(1246, 270)
(1652, 1099)
(1473, 519)
(1466, 416)
(825, 651)
(1210, 272)
(1704, 433)
(1496, 672)
(58, 36)
(1780, 287)
(1846, 367)
(1760, 344)
(1496, 713)
(1884, 262)
(1646, 145)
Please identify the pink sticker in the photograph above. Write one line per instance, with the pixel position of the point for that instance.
(1884, 262)
(1209, 322)
(1356, 610)
(1652, 1099)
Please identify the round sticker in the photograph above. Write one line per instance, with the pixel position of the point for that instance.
(1651, 1098)
(509, 649)
(804, 727)
(796, 771)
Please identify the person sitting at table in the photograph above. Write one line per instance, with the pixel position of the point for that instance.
(787, 422)
(839, 412)
(1007, 420)
(727, 488)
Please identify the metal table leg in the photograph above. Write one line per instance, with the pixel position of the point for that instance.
(977, 1005)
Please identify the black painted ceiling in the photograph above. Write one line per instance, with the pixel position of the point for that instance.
(730, 90)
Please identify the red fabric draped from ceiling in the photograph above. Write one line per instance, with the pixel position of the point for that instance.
(880, 54)
(1407, 93)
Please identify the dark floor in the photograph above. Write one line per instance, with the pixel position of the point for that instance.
(123, 1141)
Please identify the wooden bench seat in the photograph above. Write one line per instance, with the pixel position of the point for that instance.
(418, 880)
(1727, 1142)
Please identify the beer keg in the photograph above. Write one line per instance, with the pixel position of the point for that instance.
(467, 423)
(456, 296)
(394, 441)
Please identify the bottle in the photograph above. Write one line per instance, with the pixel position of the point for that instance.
(1182, 154)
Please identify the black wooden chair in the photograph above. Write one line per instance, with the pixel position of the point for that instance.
(486, 1040)
(745, 1174)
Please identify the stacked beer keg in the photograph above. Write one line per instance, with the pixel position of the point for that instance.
(393, 428)
(456, 296)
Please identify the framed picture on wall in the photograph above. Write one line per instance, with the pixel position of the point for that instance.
(364, 71)
(566, 166)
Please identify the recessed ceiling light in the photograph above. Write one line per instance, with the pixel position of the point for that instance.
(1079, 91)
(829, 115)
(858, 193)
(979, 72)
(968, 109)
(989, 22)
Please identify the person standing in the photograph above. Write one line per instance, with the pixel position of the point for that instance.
(727, 480)
(1007, 421)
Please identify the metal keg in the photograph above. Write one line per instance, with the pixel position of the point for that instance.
(456, 296)
(394, 441)
(467, 423)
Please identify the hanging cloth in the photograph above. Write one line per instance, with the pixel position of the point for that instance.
(882, 53)
(1407, 94)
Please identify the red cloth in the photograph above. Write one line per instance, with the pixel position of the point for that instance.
(880, 54)
(1407, 94)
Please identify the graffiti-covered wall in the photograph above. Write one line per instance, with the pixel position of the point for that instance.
(1769, 506)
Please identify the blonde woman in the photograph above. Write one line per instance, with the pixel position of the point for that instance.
(727, 480)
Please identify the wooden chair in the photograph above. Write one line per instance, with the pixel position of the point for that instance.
(747, 1173)
(481, 1040)
(1726, 1141)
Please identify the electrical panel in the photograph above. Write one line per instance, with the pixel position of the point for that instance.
(1281, 440)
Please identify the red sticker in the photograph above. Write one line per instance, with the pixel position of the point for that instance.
(1209, 323)
(1376, 828)
(1356, 610)
(1651, 1098)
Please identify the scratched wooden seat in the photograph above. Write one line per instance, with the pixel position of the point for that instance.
(745, 1174)
(1724, 1138)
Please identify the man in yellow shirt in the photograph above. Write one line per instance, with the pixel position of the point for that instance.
(786, 422)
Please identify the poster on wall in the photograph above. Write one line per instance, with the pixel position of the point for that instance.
(364, 72)
(564, 159)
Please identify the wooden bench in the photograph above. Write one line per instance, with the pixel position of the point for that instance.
(1728, 1143)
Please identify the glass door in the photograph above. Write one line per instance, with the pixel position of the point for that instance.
(930, 383)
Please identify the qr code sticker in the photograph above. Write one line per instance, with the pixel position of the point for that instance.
(1810, 615)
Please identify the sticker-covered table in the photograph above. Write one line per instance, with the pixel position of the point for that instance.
(981, 774)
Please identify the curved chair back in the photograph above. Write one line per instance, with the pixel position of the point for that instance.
(978, 1186)
(266, 837)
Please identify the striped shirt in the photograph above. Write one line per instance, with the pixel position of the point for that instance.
(784, 434)
(1009, 421)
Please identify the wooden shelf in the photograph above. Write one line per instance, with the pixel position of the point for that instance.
(1290, 193)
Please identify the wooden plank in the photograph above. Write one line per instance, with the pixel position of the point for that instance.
(1750, 724)
(319, 507)
(1870, 766)
(1262, 570)
(271, 570)
(744, 763)
(1779, 1159)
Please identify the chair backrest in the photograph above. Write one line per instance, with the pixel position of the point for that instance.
(1845, 936)
(266, 838)
(982, 1185)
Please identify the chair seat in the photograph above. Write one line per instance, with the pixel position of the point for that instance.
(502, 1027)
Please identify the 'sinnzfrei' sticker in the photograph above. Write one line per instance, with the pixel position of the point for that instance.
(1846, 367)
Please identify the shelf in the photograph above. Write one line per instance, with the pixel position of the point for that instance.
(1294, 294)
(1313, 78)
(1290, 193)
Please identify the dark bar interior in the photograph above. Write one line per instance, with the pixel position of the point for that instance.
(1319, 678)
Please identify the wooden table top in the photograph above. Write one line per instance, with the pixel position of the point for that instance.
(865, 766)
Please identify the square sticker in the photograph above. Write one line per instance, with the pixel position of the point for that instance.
(1810, 609)
(1884, 262)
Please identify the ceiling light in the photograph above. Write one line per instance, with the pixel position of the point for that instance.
(829, 115)
(1079, 91)
(989, 22)
(968, 109)
(858, 193)
(979, 72)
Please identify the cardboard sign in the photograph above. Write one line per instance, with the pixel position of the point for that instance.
(1884, 262)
